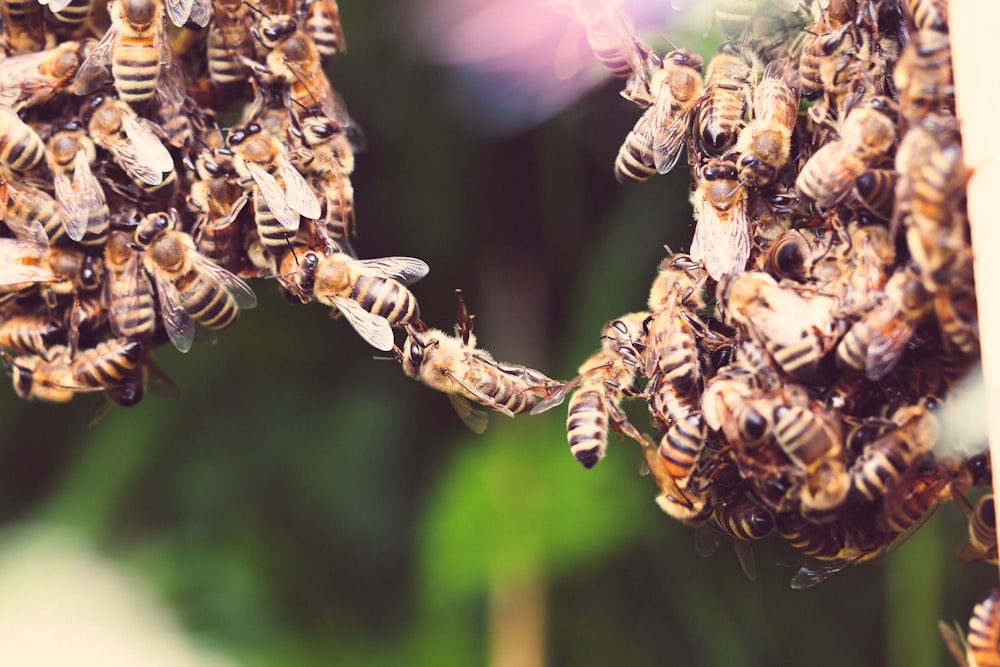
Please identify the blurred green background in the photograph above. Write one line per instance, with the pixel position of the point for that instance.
(300, 504)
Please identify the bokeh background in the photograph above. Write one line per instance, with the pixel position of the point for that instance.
(300, 504)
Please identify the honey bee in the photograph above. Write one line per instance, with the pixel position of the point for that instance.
(33, 78)
(469, 375)
(887, 459)
(371, 294)
(217, 234)
(838, 545)
(764, 146)
(738, 516)
(814, 442)
(128, 292)
(923, 76)
(133, 142)
(21, 149)
(612, 39)
(229, 43)
(82, 205)
(32, 215)
(23, 30)
(68, 15)
(601, 384)
(927, 14)
(136, 48)
(321, 21)
(722, 233)
(60, 270)
(828, 175)
(958, 318)
(329, 160)
(875, 189)
(722, 108)
(875, 343)
(982, 648)
(190, 287)
(60, 375)
(690, 506)
(281, 194)
(31, 333)
(654, 144)
(981, 543)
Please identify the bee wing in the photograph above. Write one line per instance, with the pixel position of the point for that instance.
(707, 540)
(373, 329)
(94, 72)
(244, 296)
(472, 416)
(176, 321)
(476, 395)
(30, 233)
(201, 12)
(723, 244)
(79, 197)
(144, 156)
(120, 300)
(954, 640)
(298, 194)
(809, 576)
(557, 396)
(55, 6)
(406, 270)
(179, 11)
(20, 264)
(273, 196)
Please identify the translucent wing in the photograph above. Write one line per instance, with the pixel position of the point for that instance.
(557, 396)
(954, 640)
(94, 72)
(144, 156)
(29, 231)
(707, 540)
(406, 270)
(55, 6)
(80, 197)
(244, 296)
(373, 329)
(472, 416)
(178, 10)
(274, 196)
(744, 553)
(121, 292)
(201, 12)
(298, 193)
(722, 243)
(177, 323)
(19, 264)
(476, 395)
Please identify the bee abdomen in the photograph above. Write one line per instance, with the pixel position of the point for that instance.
(633, 164)
(587, 427)
(385, 298)
(108, 364)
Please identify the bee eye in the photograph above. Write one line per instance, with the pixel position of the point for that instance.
(416, 354)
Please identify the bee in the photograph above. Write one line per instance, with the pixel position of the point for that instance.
(60, 375)
(691, 506)
(133, 142)
(469, 375)
(30, 333)
(68, 16)
(982, 648)
(838, 545)
(181, 11)
(981, 543)
(733, 403)
(62, 271)
(924, 78)
(281, 194)
(33, 216)
(958, 318)
(875, 189)
(21, 149)
(371, 294)
(601, 384)
(927, 14)
(23, 29)
(229, 43)
(796, 326)
(612, 39)
(722, 233)
(82, 205)
(744, 520)
(764, 146)
(190, 287)
(875, 343)
(828, 175)
(655, 142)
(321, 21)
(814, 442)
(33, 78)
(908, 505)
(722, 108)
(217, 233)
(329, 160)
(127, 290)
(887, 459)
(136, 48)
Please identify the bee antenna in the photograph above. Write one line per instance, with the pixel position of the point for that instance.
(396, 356)
(256, 9)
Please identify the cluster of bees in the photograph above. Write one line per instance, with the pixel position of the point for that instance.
(793, 362)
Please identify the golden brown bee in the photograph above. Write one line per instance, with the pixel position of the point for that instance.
(813, 440)
(371, 294)
(887, 459)
(981, 543)
(655, 142)
(68, 16)
(839, 545)
(136, 48)
(229, 43)
(31, 333)
(217, 233)
(689, 505)
(280, 194)
(875, 343)
(329, 160)
(133, 142)
(23, 29)
(722, 109)
(927, 14)
(128, 292)
(60, 270)
(828, 175)
(321, 21)
(32, 215)
(70, 153)
(958, 318)
(875, 189)
(764, 145)
(924, 77)
(602, 383)
(982, 648)
(722, 233)
(909, 504)
(21, 149)
(33, 78)
(189, 286)
(612, 38)
(469, 375)
(58, 376)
